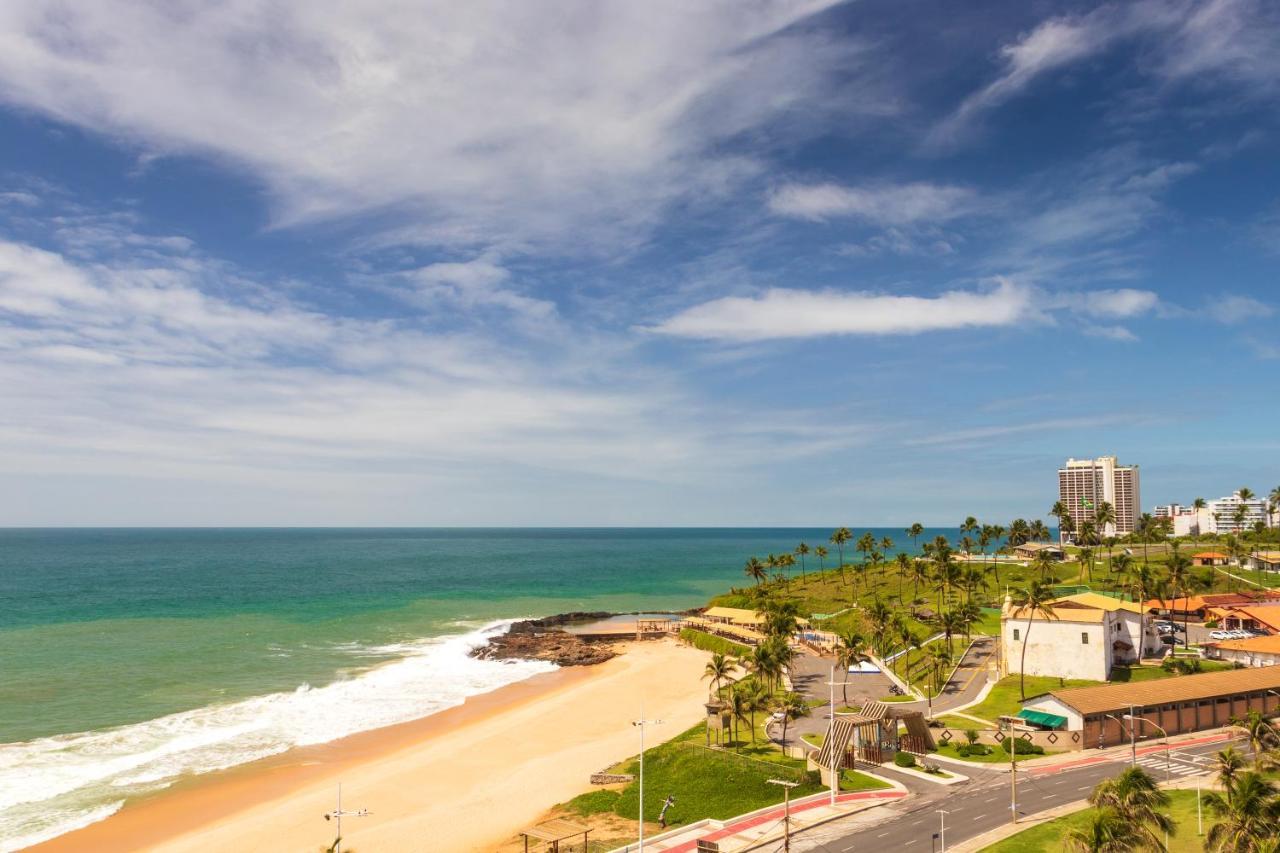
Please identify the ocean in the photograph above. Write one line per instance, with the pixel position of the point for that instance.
(130, 658)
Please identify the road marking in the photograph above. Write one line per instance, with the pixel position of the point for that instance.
(980, 817)
(1084, 787)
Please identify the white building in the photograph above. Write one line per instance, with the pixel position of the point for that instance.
(1085, 637)
(1185, 520)
(1222, 514)
(1084, 484)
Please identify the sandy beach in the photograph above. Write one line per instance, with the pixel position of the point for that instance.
(462, 780)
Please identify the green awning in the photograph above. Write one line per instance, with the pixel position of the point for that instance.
(1040, 718)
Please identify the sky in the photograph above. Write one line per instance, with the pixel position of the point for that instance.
(662, 263)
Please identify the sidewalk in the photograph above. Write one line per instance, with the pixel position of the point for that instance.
(750, 830)
(1069, 761)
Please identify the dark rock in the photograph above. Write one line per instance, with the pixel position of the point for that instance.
(558, 647)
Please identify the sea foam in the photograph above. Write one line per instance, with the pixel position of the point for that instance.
(53, 785)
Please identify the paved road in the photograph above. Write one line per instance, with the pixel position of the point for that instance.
(810, 674)
(982, 804)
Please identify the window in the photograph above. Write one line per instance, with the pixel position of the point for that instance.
(1084, 638)
(1015, 634)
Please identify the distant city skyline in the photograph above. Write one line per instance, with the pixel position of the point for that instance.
(717, 264)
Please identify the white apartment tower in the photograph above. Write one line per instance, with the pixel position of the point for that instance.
(1083, 485)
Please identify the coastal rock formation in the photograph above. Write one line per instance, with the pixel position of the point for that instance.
(558, 647)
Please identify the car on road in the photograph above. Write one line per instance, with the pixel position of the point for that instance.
(1167, 627)
(1220, 635)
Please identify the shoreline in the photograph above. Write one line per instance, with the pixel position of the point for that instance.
(247, 803)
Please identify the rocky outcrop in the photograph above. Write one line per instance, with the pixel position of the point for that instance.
(554, 646)
(533, 626)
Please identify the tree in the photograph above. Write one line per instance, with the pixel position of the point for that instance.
(938, 657)
(1044, 564)
(802, 550)
(1138, 799)
(782, 617)
(850, 652)
(1263, 737)
(755, 569)
(838, 538)
(792, 706)
(757, 699)
(1086, 561)
(1060, 511)
(1105, 831)
(951, 622)
(1145, 528)
(1037, 601)
(821, 553)
(904, 568)
(1104, 516)
(1248, 813)
(1019, 532)
(719, 669)
(1037, 531)
(1180, 580)
(915, 531)
(739, 708)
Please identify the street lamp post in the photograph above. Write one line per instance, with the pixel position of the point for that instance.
(786, 811)
(640, 724)
(942, 829)
(1168, 762)
(337, 815)
(1133, 744)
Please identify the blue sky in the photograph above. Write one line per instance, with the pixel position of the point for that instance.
(661, 263)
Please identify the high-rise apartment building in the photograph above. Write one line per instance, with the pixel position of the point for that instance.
(1224, 518)
(1083, 486)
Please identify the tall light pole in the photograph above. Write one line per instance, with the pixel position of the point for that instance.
(1168, 763)
(1133, 746)
(640, 724)
(786, 811)
(1013, 770)
(942, 828)
(337, 815)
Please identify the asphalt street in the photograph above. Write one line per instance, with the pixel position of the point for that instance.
(983, 803)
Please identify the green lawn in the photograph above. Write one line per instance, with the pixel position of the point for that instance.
(1047, 837)
(709, 783)
(997, 755)
(962, 723)
(1005, 698)
(1154, 673)
(712, 643)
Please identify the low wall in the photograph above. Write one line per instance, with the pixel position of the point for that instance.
(1056, 741)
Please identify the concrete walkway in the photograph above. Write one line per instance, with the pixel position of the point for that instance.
(760, 827)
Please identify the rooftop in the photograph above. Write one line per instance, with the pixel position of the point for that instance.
(1182, 688)
(1209, 555)
(1098, 602)
(1266, 645)
(1091, 615)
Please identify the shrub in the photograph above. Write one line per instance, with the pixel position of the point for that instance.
(971, 735)
(904, 759)
(1212, 623)
(1024, 747)
(711, 643)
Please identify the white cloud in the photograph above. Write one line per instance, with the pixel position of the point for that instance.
(478, 122)
(1233, 308)
(476, 283)
(781, 313)
(1111, 333)
(889, 204)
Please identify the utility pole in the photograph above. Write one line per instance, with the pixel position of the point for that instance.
(337, 815)
(1133, 736)
(786, 811)
(640, 724)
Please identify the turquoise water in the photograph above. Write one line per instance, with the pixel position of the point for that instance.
(133, 657)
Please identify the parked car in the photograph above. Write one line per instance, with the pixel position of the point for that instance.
(1220, 635)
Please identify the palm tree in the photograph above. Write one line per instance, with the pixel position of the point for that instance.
(1263, 737)
(739, 709)
(719, 668)
(951, 622)
(802, 550)
(1139, 800)
(915, 531)
(919, 574)
(1106, 831)
(821, 553)
(1086, 560)
(1248, 813)
(1059, 511)
(1104, 516)
(909, 639)
(1123, 564)
(1229, 763)
(1145, 528)
(1273, 506)
(838, 538)
(1038, 597)
(792, 706)
(1044, 564)
(1036, 531)
(1019, 532)
(850, 652)
(1180, 580)
(755, 569)
(757, 700)
(904, 566)
(939, 660)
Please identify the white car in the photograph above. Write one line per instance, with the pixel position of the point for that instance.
(1220, 635)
